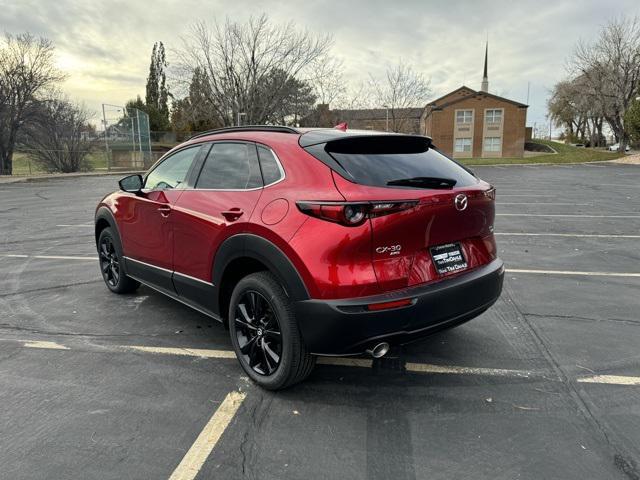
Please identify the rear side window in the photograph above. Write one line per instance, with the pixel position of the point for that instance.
(231, 166)
(271, 171)
(387, 160)
(172, 172)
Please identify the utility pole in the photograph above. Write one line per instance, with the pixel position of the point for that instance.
(387, 107)
(528, 88)
(106, 141)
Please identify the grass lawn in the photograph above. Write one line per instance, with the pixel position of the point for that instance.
(23, 165)
(566, 154)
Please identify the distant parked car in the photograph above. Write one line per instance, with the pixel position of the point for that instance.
(616, 146)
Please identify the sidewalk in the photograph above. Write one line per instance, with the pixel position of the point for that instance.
(629, 159)
(5, 179)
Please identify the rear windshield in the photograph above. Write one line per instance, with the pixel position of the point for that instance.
(377, 161)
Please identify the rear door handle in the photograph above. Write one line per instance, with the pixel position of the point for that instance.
(164, 211)
(232, 214)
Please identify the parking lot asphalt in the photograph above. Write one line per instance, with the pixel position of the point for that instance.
(546, 384)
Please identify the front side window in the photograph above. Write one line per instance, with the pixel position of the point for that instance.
(464, 116)
(231, 166)
(463, 145)
(172, 172)
(492, 144)
(271, 171)
(494, 116)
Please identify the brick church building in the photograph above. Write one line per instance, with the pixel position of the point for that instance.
(463, 123)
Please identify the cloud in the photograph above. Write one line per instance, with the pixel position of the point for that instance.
(105, 46)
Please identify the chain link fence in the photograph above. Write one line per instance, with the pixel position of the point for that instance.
(127, 138)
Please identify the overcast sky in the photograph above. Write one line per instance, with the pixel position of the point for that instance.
(105, 46)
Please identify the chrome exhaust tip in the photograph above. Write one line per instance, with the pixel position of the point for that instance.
(380, 350)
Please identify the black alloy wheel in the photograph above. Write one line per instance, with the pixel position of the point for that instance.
(109, 262)
(258, 333)
(112, 266)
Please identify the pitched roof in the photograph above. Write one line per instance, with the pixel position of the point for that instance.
(436, 104)
(378, 113)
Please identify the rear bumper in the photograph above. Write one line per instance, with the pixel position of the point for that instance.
(345, 327)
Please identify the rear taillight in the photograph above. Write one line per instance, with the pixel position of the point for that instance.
(491, 193)
(352, 214)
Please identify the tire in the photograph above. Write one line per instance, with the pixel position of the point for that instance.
(111, 264)
(258, 310)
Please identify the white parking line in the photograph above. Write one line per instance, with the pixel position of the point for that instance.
(193, 352)
(47, 257)
(45, 345)
(346, 362)
(352, 362)
(580, 235)
(543, 203)
(611, 380)
(501, 372)
(562, 215)
(203, 446)
(522, 195)
(620, 186)
(567, 272)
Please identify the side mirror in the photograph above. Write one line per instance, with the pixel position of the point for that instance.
(131, 184)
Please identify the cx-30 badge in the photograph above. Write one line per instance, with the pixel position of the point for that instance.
(460, 201)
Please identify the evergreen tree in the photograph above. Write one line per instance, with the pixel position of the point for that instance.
(157, 95)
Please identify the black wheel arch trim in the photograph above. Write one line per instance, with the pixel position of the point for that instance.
(103, 213)
(258, 248)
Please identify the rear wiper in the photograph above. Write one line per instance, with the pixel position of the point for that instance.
(423, 182)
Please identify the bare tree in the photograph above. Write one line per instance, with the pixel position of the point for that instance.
(27, 69)
(238, 60)
(357, 97)
(401, 90)
(610, 68)
(326, 79)
(581, 115)
(58, 136)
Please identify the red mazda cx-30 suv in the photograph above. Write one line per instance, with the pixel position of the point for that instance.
(306, 242)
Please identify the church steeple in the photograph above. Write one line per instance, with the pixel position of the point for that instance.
(485, 76)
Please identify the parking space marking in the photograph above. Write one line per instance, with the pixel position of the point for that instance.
(429, 368)
(611, 380)
(413, 367)
(47, 257)
(346, 362)
(523, 195)
(542, 203)
(562, 215)
(45, 345)
(208, 438)
(568, 272)
(192, 352)
(579, 235)
(618, 185)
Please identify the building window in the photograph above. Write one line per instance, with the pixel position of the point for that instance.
(493, 116)
(492, 144)
(464, 116)
(463, 145)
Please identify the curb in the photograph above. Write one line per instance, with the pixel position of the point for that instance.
(8, 179)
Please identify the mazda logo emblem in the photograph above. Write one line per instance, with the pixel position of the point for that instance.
(460, 201)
